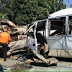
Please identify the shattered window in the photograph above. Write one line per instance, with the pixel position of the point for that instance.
(70, 25)
(57, 27)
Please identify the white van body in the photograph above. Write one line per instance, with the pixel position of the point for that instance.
(55, 29)
(61, 45)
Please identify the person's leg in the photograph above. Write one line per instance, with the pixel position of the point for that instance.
(1, 68)
(5, 51)
(42, 50)
(46, 50)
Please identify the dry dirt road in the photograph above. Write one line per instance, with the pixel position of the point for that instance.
(61, 66)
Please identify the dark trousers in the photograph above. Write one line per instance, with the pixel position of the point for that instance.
(5, 49)
(1, 68)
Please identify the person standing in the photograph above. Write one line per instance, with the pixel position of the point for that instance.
(4, 41)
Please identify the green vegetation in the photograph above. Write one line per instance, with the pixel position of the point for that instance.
(26, 11)
(71, 6)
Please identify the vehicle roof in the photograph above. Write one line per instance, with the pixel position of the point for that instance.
(61, 13)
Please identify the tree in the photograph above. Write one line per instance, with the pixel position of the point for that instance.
(26, 11)
(71, 6)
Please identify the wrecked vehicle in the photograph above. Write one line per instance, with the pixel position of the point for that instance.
(49, 37)
(57, 31)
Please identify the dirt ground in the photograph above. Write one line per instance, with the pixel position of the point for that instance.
(8, 63)
(61, 66)
(17, 65)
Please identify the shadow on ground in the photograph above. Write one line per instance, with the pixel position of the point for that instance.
(41, 64)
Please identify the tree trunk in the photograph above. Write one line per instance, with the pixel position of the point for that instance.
(10, 23)
(20, 44)
(40, 57)
(16, 29)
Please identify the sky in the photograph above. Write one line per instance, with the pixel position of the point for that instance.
(68, 4)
